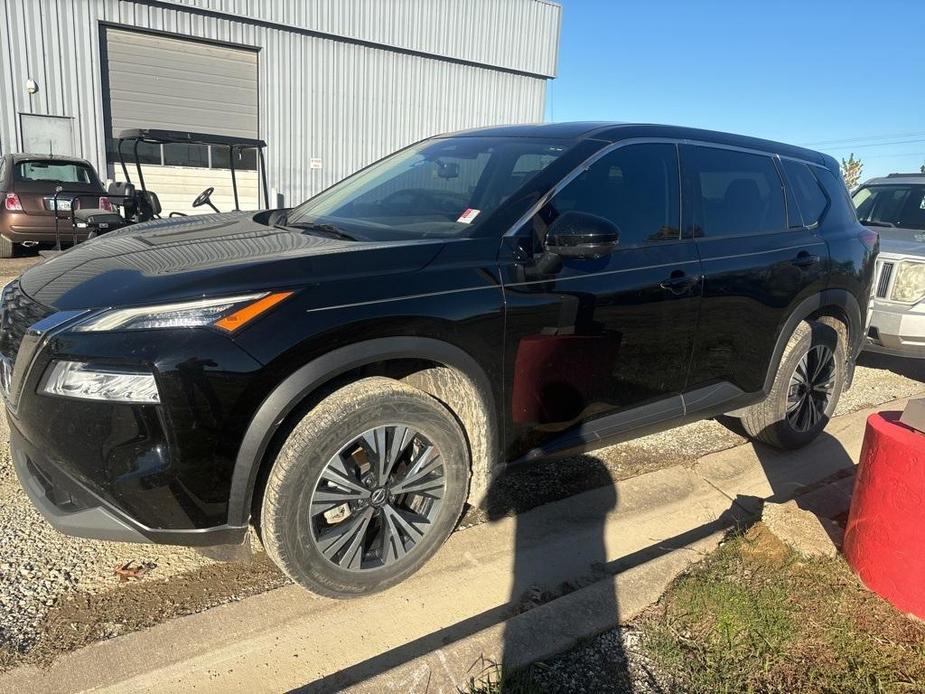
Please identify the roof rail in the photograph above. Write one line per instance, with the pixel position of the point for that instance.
(905, 175)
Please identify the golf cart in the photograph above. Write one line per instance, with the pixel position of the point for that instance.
(138, 204)
(141, 204)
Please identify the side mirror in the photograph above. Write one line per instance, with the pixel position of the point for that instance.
(581, 235)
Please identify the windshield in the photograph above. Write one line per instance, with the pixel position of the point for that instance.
(440, 187)
(893, 205)
(56, 171)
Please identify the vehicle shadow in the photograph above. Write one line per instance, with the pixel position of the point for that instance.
(902, 366)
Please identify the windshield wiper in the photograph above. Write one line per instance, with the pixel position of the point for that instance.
(325, 229)
(878, 223)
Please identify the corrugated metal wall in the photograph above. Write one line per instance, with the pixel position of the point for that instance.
(344, 102)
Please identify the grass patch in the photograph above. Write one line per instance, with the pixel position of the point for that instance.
(756, 617)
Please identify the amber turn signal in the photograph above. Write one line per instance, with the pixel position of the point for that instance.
(241, 317)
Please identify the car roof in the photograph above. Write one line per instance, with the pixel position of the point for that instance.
(25, 156)
(615, 131)
(918, 178)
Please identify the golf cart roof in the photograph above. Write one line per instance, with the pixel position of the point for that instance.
(182, 137)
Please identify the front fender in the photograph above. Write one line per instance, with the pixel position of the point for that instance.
(275, 408)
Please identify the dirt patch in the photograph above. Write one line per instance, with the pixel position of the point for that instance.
(82, 618)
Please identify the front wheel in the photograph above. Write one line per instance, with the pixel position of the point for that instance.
(806, 389)
(365, 489)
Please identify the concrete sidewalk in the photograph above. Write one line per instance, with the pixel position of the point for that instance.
(464, 601)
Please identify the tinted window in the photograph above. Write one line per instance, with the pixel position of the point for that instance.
(810, 197)
(244, 160)
(901, 205)
(180, 154)
(732, 193)
(56, 171)
(841, 211)
(635, 187)
(148, 153)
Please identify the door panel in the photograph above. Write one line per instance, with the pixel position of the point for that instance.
(588, 339)
(756, 268)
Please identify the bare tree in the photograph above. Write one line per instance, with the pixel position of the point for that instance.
(851, 171)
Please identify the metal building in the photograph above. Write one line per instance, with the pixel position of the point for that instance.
(331, 85)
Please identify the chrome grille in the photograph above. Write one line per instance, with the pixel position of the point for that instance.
(883, 285)
(17, 313)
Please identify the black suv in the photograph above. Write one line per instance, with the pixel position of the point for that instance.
(349, 373)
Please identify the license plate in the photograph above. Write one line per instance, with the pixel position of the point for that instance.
(64, 204)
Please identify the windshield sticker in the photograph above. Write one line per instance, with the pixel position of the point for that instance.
(468, 216)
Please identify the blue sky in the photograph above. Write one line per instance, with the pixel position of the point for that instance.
(834, 75)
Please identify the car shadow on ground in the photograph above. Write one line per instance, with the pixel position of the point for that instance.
(788, 476)
(902, 366)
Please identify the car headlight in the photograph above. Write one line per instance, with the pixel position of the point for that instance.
(72, 379)
(228, 314)
(909, 285)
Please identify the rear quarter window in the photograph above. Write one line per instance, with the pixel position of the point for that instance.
(811, 199)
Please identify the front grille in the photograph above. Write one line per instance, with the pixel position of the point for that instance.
(17, 313)
(883, 285)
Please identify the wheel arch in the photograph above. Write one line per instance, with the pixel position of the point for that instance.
(838, 304)
(448, 373)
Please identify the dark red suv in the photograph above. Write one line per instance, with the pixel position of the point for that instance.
(28, 183)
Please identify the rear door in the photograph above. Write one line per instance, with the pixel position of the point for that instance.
(758, 261)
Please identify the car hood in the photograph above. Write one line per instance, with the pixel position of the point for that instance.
(901, 241)
(189, 257)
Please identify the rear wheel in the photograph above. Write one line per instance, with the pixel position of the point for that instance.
(806, 389)
(7, 247)
(365, 489)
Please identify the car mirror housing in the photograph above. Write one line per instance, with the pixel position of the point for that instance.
(581, 235)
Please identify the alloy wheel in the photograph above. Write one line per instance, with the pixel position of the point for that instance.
(811, 388)
(377, 498)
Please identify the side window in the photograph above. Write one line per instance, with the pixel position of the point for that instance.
(732, 193)
(635, 187)
(810, 197)
(841, 210)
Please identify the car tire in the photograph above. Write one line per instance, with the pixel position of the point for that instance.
(325, 489)
(7, 247)
(806, 389)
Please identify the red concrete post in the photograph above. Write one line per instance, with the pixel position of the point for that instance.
(885, 535)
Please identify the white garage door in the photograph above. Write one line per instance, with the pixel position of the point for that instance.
(167, 83)
(178, 84)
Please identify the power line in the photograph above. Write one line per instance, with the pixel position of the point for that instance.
(879, 144)
(865, 138)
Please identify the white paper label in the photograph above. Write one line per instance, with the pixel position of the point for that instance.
(468, 216)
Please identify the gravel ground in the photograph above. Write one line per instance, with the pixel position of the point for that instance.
(47, 578)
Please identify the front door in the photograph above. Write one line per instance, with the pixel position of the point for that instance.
(599, 347)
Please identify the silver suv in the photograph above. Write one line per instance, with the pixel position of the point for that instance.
(895, 206)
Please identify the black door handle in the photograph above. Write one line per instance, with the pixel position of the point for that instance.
(679, 282)
(804, 259)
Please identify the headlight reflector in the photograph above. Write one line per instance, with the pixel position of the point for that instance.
(909, 285)
(226, 313)
(72, 379)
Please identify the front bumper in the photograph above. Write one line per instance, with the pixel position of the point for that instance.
(71, 508)
(897, 330)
